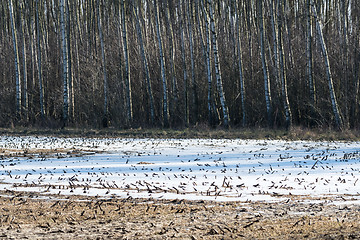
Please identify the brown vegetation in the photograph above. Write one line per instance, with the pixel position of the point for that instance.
(295, 133)
(28, 215)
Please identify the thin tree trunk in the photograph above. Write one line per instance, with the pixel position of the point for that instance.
(232, 35)
(309, 55)
(336, 112)
(33, 62)
(275, 42)
(195, 100)
(211, 102)
(38, 37)
(356, 58)
(345, 58)
(70, 70)
(182, 43)
(65, 63)
(289, 37)
(23, 52)
(75, 75)
(105, 119)
(241, 75)
(127, 65)
(356, 80)
(288, 115)
(162, 66)
(250, 38)
(145, 64)
(174, 92)
(77, 15)
(206, 48)
(226, 118)
(16, 60)
(264, 65)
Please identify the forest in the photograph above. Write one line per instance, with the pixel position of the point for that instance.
(180, 63)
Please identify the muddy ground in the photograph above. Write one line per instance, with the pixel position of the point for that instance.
(32, 216)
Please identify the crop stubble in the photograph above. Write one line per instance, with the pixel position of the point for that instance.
(31, 216)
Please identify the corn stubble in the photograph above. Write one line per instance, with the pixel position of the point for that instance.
(34, 216)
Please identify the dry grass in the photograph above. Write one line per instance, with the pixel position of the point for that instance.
(296, 133)
(38, 152)
(23, 216)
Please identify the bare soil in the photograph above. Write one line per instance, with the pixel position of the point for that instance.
(32, 216)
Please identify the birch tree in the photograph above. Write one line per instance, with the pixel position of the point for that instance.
(195, 100)
(127, 65)
(183, 55)
(64, 63)
(240, 64)
(145, 63)
(288, 115)
(102, 45)
(309, 53)
(264, 64)
(24, 62)
(345, 55)
(70, 70)
(162, 67)
(246, 51)
(206, 48)
(16, 60)
(170, 33)
(39, 62)
(219, 83)
(335, 107)
(275, 42)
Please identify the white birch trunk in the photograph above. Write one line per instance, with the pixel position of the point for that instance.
(162, 66)
(127, 65)
(217, 67)
(336, 112)
(211, 104)
(275, 42)
(309, 54)
(182, 43)
(38, 37)
(145, 64)
(193, 81)
(241, 75)
(70, 70)
(288, 115)
(102, 45)
(65, 63)
(345, 58)
(16, 60)
(174, 91)
(24, 67)
(264, 65)
(76, 71)
(206, 52)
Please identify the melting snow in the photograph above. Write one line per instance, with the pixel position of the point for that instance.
(194, 169)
